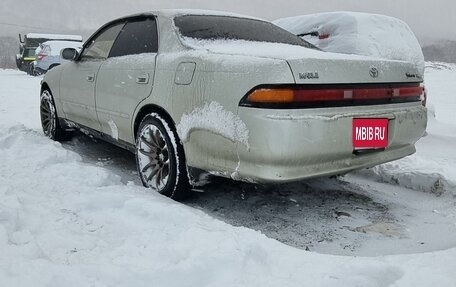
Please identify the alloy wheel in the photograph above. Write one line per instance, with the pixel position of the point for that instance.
(47, 113)
(153, 157)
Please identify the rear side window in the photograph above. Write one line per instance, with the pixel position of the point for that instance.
(137, 37)
(46, 50)
(207, 27)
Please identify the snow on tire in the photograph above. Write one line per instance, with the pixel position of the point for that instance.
(160, 158)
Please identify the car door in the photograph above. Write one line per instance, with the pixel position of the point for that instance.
(77, 84)
(126, 77)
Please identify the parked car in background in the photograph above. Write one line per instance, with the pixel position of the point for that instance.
(31, 41)
(233, 96)
(25, 59)
(48, 55)
(358, 33)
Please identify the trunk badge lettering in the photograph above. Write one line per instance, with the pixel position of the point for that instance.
(411, 75)
(309, 75)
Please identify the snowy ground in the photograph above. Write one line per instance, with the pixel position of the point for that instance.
(76, 215)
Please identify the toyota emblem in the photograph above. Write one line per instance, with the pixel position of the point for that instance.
(373, 72)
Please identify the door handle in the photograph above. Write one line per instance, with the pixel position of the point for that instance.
(90, 77)
(143, 79)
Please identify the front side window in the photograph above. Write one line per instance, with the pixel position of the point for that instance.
(137, 37)
(207, 27)
(99, 47)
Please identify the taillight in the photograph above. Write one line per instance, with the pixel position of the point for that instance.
(323, 36)
(40, 56)
(313, 96)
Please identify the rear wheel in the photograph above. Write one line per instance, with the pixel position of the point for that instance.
(36, 72)
(53, 66)
(49, 120)
(160, 158)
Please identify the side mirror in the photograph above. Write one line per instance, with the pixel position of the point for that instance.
(70, 54)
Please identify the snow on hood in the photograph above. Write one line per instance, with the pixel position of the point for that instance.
(359, 33)
(214, 118)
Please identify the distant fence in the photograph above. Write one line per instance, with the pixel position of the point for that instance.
(9, 47)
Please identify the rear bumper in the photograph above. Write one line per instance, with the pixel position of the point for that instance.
(289, 145)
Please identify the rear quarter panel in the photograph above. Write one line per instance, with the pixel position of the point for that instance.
(222, 79)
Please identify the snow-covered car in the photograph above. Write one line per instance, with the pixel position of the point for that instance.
(30, 42)
(358, 33)
(48, 55)
(233, 96)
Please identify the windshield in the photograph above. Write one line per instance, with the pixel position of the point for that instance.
(232, 28)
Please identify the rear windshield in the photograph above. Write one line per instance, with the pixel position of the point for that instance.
(232, 28)
(29, 52)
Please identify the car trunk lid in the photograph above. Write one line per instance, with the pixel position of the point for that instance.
(352, 70)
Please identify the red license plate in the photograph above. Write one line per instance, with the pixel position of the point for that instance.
(370, 133)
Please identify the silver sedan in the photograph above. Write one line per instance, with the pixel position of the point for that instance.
(233, 96)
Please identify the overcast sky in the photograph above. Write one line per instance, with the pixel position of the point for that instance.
(428, 18)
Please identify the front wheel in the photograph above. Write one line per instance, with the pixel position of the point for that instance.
(160, 158)
(49, 120)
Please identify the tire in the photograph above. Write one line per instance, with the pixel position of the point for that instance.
(53, 66)
(160, 158)
(49, 119)
(31, 70)
(35, 72)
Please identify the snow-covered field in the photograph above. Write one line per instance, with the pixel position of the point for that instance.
(76, 215)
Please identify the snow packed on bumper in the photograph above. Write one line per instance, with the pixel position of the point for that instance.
(214, 118)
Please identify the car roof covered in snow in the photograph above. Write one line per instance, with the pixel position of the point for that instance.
(171, 13)
(178, 12)
(359, 33)
(54, 36)
(57, 46)
(168, 15)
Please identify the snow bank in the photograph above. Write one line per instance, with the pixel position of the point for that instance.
(67, 223)
(433, 167)
(441, 92)
(359, 33)
(404, 173)
(87, 229)
(214, 118)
